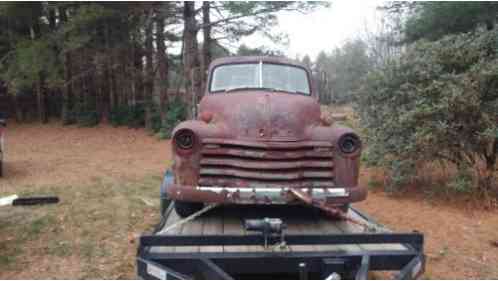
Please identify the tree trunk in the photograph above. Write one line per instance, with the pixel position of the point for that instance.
(42, 113)
(206, 46)
(491, 155)
(40, 97)
(106, 80)
(149, 84)
(67, 89)
(51, 18)
(162, 61)
(190, 53)
(138, 93)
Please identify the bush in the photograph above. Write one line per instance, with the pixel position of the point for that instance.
(134, 116)
(89, 118)
(177, 112)
(438, 102)
(125, 115)
(462, 182)
(83, 115)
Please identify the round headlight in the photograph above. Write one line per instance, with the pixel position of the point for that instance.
(184, 139)
(349, 143)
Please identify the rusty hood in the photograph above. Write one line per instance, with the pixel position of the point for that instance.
(262, 115)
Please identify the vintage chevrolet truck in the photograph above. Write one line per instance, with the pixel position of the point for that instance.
(259, 138)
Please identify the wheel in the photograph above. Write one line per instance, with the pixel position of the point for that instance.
(185, 209)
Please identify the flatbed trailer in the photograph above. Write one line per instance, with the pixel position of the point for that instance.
(216, 245)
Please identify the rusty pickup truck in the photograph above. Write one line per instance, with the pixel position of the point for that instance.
(259, 138)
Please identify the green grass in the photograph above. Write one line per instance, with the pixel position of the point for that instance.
(93, 224)
(59, 248)
(36, 227)
(6, 259)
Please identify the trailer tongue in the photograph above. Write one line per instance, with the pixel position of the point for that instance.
(272, 241)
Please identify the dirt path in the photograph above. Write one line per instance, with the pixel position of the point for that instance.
(106, 177)
(459, 243)
(57, 155)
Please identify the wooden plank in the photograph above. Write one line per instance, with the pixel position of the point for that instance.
(213, 224)
(301, 225)
(390, 246)
(328, 226)
(193, 227)
(233, 224)
(170, 220)
(349, 227)
(229, 220)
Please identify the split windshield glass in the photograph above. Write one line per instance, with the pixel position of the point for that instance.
(267, 76)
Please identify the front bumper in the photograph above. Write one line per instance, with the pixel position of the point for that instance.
(250, 195)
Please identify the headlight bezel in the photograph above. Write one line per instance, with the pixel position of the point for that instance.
(349, 144)
(185, 139)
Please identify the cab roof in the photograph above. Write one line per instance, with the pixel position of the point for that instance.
(253, 59)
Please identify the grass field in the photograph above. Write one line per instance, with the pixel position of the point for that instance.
(108, 181)
(90, 234)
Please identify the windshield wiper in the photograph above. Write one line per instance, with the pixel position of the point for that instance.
(239, 89)
(264, 88)
(289, 91)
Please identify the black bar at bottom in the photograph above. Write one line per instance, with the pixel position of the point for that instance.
(35, 201)
(232, 240)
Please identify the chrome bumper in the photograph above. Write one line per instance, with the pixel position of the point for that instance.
(276, 192)
(249, 195)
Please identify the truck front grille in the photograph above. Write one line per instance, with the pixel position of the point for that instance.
(266, 164)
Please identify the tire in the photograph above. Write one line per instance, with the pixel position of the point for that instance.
(185, 209)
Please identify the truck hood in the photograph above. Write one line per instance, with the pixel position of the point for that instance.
(271, 116)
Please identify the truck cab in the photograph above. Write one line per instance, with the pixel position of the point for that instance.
(259, 138)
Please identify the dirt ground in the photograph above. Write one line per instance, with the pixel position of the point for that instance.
(108, 181)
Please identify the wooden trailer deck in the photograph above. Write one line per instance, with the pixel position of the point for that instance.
(299, 220)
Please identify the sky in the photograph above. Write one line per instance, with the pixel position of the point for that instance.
(323, 29)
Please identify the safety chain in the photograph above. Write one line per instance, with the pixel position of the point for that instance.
(189, 218)
(335, 212)
(367, 227)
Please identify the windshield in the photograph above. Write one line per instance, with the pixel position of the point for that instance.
(277, 77)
